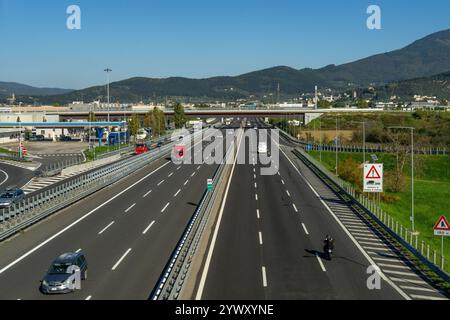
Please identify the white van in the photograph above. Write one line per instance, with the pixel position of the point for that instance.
(262, 147)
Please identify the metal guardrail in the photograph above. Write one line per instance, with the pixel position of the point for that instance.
(175, 272)
(39, 206)
(370, 148)
(402, 235)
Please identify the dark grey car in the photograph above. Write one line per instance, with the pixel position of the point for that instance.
(59, 278)
(11, 196)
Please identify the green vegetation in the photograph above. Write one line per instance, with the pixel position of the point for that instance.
(323, 104)
(432, 128)
(432, 189)
(134, 124)
(93, 154)
(179, 117)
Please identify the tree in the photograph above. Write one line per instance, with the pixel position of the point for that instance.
(179, 117)
(134, 125)
(158, 122)
(362, 104)
(323, 104)
(92, 117)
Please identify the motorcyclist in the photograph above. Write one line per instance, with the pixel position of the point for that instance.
(328, 242)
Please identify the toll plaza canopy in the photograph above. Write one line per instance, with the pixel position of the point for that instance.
(61, 124)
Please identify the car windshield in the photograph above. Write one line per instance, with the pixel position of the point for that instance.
(140, 146)
(7, 195)
(59, 268)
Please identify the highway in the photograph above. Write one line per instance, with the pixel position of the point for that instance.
(270, 239)
(127, 231)
(13, 176)
(268, 242)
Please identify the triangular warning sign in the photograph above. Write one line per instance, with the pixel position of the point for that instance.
(442, 225)
(373, 173)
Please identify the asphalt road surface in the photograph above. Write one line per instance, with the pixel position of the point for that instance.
(127, 231)
(270, 240)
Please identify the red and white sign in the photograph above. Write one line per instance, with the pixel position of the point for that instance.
(373, 177)
(442, 227)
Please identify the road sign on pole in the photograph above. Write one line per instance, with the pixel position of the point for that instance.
(210, 185)
(442, 227)
(373, 178)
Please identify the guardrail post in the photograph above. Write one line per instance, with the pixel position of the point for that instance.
(442, 262)
(434, 259)
(422, 247)
(428, 252)
(417, 241)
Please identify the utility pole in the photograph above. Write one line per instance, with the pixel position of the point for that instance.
(108, 70)
(412, 173)
(336, 144)
(316, 98)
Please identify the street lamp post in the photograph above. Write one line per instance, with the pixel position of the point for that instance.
(336, 144)
(412, 173)
(364, 138)
(107, 70)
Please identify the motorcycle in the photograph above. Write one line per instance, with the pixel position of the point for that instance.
(328, 251)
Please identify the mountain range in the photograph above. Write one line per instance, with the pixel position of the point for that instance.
(423, 58)
(8, 88)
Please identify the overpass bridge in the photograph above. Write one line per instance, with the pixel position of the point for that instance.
(304, 113)
(61, 125)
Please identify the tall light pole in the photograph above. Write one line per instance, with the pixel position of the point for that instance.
(336, 145)
(364, 138)
(107, 70)
(412, 172)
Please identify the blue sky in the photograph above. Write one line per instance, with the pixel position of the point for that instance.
(198, 38)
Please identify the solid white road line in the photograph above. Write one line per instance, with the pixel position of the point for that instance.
(409, 281)
(104, 229)
(161, 183)
(131, 207)
(6, 177)
(121, 259)
(78, 221)
(257, 214)
(304, 228)
(164, 209)
(148, 228)
(260, 238)
(393, 266)
(416, 296)
(145, 195)
(177, 193)
(355, 242)
(216, 231)
(321, 263)
(418, 289)
(264, 276)
(295, 207)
